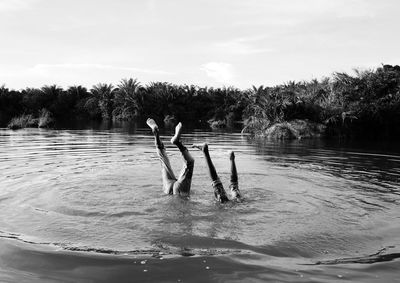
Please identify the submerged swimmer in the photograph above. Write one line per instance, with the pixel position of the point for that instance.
(219, 191)
(172, 185)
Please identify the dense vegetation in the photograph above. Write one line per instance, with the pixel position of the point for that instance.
(363, 105)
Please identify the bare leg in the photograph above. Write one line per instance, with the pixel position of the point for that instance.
(234, 186)
(219, 190)
(183, 184)
(167, 173)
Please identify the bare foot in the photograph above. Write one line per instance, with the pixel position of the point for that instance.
(235, 193)
(231, 155)
(220, 194)
(152, 124)
(177, 136)
(202, 146)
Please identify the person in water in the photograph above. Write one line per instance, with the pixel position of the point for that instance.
(219, 191)
(172, 185)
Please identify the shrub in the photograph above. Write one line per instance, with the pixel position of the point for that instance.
(23, 121)
(45, 119)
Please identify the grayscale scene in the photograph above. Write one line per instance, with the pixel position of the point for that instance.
(199, 141)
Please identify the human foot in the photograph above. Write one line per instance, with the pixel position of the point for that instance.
(202, 146)
(235, 193)
(152, 124)
(220, 194)
(177, 136)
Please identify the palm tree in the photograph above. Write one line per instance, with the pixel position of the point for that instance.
(78, 91)
(104, 94)
(80, 95)
(128, 99)
(159, 96)
(50, 95)
(10, 104)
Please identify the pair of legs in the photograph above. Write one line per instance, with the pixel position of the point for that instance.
(171, 184)
(219, 191)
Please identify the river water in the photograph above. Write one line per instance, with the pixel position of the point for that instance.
(312, 210)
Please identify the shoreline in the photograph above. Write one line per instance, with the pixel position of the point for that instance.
(363, 105)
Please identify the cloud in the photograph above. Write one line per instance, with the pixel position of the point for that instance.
(219, 71)
(48, 68)
(21, 76)
(244, 45)
(355, 9)
(293, 12)
(307, 7)
(15, 5)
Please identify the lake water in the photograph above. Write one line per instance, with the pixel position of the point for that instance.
(78, 193)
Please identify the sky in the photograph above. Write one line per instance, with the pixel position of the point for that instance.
(216, 43)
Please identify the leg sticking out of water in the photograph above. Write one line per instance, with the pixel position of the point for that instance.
(234, 186)
(219, 191)
(182, 185)
(167, 173)
(154, 128)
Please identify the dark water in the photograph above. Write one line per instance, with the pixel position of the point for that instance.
(305, 202)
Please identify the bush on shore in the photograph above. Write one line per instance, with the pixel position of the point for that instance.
(45, 119)
(295, 129)
(23, 121)
(366, 105)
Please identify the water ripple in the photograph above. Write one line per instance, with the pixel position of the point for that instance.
(100, 191)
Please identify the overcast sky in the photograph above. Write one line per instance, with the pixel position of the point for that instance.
(204, 42)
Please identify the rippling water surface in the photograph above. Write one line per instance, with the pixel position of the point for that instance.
(100, 191)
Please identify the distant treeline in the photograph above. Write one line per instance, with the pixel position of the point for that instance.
(364, 105)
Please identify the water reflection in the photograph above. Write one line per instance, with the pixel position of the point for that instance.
(102, 188)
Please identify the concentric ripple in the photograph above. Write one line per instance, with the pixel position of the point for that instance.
(100, 191)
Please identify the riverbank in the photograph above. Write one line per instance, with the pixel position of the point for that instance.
(363, 105)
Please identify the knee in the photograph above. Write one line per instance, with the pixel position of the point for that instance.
(189, 159)
(169, 188)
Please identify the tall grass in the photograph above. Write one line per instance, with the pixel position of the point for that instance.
(23, 121)
(45, 119)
